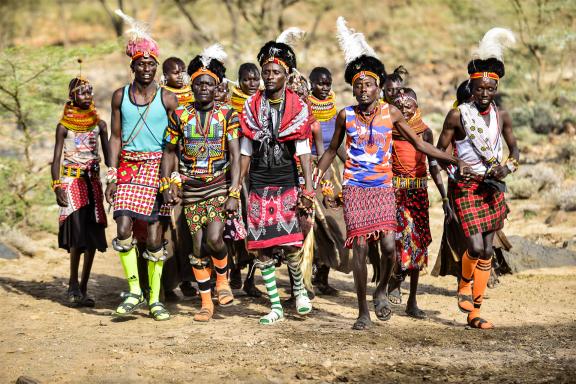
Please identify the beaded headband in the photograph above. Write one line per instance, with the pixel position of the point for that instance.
(204, 71)
(487, 75)
(363, 74)
(276, 60)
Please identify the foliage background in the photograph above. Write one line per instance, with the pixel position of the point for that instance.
(40, 41)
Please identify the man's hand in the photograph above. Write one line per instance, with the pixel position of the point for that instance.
(110, 192)
(231, 205)
(61, 197)
(172, 194)
(499, 172)
(448, 211)
(464, 168)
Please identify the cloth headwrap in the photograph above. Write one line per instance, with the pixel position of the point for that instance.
(140, 43)
(363, 74)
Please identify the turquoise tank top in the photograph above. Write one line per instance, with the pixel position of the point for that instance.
(142, 130)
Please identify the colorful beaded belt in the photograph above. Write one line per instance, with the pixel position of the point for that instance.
(76, 172)
(409, 182)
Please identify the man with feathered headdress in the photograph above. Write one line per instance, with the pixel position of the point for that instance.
(477, 129)
(207, 132)
(276, 127)
(139, 119)
(368, 193)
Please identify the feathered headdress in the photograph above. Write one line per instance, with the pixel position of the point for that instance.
(280, 51)
(360, 58)
(140, 42)
(487, 59)
(210, 62)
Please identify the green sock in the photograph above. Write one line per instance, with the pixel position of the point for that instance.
(130, 265)
(269, 277)
(154, 279)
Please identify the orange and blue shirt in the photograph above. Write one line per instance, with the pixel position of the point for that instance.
(369, 149)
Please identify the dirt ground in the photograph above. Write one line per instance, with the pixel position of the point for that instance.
(42, 338)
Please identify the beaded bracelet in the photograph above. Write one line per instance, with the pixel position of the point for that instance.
(56, 184)
(308, 195)
(164, 184)
(327, 188)
(234, 194)
(111, 175)
(512, 164)
(176, 179)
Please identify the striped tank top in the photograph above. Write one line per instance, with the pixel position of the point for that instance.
(369, 149)
(143, 126)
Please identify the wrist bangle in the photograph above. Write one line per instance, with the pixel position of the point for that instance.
(164, 184)
(56, 184)
(445, 199)
(234, 194)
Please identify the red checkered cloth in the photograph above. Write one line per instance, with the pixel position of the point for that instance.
(368, 213)
(138, 181)
(479, 207)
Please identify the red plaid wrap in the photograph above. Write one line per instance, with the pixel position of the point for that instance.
(368, 213)
(138, 179)
(79, 196)
(479, 207)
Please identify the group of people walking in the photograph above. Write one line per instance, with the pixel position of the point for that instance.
(270, 172)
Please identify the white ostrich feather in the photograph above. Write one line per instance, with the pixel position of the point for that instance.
(493, 43)
(138, 29)
(291, 36)
(215, 51)
(352, 43)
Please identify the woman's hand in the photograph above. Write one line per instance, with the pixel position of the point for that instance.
(61, 197)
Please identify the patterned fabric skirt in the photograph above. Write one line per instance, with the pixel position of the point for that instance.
(479, 207)
(413, 232)
(368, 213)
(83, 221)
(138, 178)
(272, 218)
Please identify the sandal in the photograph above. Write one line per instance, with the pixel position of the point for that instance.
(87, 301)
(159, 312)
(74, 298)
(275, 316)
(479, 323)
(225, 296)
(327, 290)
(362, 324)
(128, 305)
(382, 309)
(252, 291)
(416, 313)
(204, 315)
(395, 296)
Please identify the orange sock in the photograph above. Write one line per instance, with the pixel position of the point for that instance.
(481, 276)
(221, 268)
(202, 276)
(464, 287)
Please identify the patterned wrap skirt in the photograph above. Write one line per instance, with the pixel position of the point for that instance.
(272, 218)
(138, 180)
(479, 207)
(368, 213)
(413, 231)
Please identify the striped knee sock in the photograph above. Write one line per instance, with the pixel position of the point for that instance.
(468, 268)
(269, 277)
(221, 268)
(298, 285)
(481, 277)
(202, 276)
